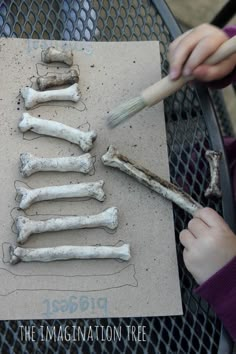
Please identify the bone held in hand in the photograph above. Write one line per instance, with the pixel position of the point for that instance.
(214, 157)
(62, 253)
(27, 196)
(30, 164)
(69, 78)
(26, 227)
(51, 55)
(33, 97)
(85, 140)
(166, 189)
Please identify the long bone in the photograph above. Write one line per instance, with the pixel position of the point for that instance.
(62, 253)
(26, 227)
(214, 157)
(30, 164)
(69, 78)
(33, 97)
(51, 55)
(58, 130)
(166, 189)
(27, 197)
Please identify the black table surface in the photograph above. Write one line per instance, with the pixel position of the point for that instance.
(191, 127)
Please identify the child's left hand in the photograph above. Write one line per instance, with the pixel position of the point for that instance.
(209, 244)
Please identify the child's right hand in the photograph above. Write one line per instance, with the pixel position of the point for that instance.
(209, 244)
(188, 52)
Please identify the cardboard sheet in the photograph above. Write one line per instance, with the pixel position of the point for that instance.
(147, 285)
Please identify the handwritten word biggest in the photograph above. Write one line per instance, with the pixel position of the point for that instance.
(72, 304)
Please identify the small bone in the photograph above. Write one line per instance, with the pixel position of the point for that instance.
(58, 130)
(33, 97)
(62, 253)
(30, 164)
(52, 54)
(166, 189)
(214, 157)
(26, 227)
(81, 190)
(70, 78)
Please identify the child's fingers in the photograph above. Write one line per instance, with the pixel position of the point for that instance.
(198, 227)
(214, 72)
(193, 48)
(209, 217)
(176, 42)
(182, 47)
(181, 53)
(187, 239)
(201, 52)
(171, 50)
(187, 258)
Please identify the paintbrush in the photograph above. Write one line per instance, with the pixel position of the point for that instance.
(164, 88)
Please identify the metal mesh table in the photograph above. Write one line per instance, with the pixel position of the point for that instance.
(191, 129)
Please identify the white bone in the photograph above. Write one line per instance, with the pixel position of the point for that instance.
(26, 227)
(60, 253)
(69, 78)
(52, 54)
(33, 97)
(58, 130)
(30, 164)
(166, 189)
(214, 157)
(81, 190)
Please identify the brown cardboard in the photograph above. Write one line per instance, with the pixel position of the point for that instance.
(147, 285)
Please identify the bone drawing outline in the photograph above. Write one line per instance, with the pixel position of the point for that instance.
(126, 276)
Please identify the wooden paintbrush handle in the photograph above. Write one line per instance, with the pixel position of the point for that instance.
(167, 87)
(224, 51)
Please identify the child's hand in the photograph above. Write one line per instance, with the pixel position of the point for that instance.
(188, 52)
(208, 244)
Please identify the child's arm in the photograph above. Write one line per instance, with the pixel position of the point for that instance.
(189, 51)
(210, 255)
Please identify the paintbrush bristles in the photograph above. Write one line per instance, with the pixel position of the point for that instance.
(124, 111)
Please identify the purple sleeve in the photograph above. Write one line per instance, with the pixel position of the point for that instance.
(220, 292)
(231, 78)
(230, 31)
